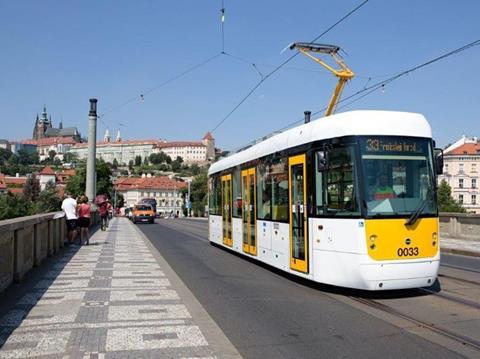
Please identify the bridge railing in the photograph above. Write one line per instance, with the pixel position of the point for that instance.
(26, 241)
(460, 225)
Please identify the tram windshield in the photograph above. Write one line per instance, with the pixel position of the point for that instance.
(398, 176)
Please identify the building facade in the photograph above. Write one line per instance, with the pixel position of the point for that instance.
(122, 151)
(192, 152)
(461, 171)
(199, 152)
(165, 190)
(61, 145)
(5, 145)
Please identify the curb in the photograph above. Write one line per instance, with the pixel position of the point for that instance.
(463, 252)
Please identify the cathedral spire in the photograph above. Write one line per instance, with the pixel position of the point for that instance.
(106, 137)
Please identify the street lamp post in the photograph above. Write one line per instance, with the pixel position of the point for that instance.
(189, 204)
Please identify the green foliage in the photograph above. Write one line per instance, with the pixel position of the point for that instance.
(48, 200)
(198, 193)
(52, 154)
(31, 190)
(446, 203)
(76, 185)
(12, 206)
(70, 157)
(195, 169)
(120, 200)
(158, 158)
(115, 163)
(27, 158)
(130, 165)
(5, 155)
(138, 160)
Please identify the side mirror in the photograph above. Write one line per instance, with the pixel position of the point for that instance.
(322, 160)
(438, 161)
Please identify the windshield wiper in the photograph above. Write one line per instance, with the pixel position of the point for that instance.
(413, 218)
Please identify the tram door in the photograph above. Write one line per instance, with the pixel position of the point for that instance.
(249, 205)
(227, 209)
(298, 213)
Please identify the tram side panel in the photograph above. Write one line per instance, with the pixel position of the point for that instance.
(281, 245)
(237, 233)
(338, 248)
(215, 229)
(264, 239)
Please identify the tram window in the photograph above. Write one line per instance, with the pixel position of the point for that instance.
(264, 193)
(279, 182)
(237, 194)
(215, 199)
(340, 183)
(319, 189)
(272, 191)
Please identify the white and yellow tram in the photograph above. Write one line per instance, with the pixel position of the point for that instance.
(348, 200)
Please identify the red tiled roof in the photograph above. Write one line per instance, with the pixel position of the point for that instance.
(47, 141)
(47, 170)
(15, 180)
(466, 149)
(3, 185)
(208, 136)
(152, 183)
(180, 144)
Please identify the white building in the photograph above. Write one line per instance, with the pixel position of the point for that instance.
(122, 151)
(461, 168)
(198, 152)
(47, 174)
(166, 191)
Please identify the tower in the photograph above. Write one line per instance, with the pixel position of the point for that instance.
(209, 142)
(106, 137)
(42, 124)
(118, 138)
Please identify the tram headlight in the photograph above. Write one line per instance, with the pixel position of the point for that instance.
(434, 239)
(373, 238)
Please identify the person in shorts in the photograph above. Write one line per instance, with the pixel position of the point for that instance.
(83, 213)
(69, 206)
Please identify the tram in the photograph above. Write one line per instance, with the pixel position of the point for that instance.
(347, 200)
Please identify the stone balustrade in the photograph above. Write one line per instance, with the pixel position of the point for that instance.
(26, 241)
(460, 225)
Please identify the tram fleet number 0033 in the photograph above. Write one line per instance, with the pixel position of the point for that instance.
(407, 252)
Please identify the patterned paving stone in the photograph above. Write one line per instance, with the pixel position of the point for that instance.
(107, 300)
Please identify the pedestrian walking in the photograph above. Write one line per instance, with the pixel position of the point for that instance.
(69, 206)
(101, 202)
(83, 213)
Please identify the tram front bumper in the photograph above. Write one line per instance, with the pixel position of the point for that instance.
(399, 274)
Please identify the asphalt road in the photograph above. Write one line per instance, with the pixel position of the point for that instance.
(267, 314)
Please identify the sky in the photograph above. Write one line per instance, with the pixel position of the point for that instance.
(61, 53)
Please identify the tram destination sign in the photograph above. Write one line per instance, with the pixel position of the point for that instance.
(393, 145)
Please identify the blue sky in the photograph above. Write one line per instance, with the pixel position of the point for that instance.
(61, 53)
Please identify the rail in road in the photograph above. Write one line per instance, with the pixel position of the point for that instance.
(266, 313)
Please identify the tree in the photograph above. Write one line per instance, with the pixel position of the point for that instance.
(158, 158)
(27, 158)
(199, 193)
(179, 159)
(12, 206)
(76, 185)
(130, 165)
(51, 155)
(120, 200)
(195, 169)
(70, 157)
(5, 155)
(138, 160)
(48, 200)
(31, 190)
(446, 203)
(115, 163)
(168, 159)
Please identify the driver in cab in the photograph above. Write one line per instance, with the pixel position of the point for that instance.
(383, 190)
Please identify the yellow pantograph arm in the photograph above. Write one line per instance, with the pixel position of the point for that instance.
(343, 74)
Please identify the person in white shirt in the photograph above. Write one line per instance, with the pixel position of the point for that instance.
(69, 206)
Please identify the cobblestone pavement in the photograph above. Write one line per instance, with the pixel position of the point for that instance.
(111, 299)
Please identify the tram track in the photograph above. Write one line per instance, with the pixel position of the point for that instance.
(463, 340)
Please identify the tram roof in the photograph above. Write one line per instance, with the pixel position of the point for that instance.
(352, 123)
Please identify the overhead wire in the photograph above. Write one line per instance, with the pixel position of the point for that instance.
(142, 95)
(267, 76)
(367, 90)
